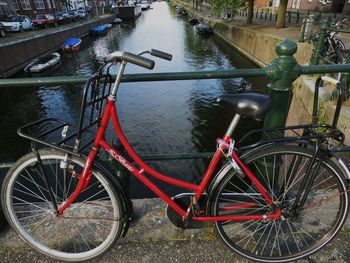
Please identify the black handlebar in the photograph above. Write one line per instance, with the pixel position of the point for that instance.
(138, 60)
(129, 57)
(161, 54)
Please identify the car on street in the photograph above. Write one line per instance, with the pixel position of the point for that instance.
(62, 18)
(44, 20)
(82, 14)
(2, 31)
(74, 16)
(15, 23)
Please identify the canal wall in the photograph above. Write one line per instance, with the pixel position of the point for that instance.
(259, 46)
(18, 53)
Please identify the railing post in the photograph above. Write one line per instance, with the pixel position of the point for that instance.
(302, 33)
(316, 52)
(345, 77)
(281, 72)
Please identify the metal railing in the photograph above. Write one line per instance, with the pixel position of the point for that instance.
(281, 73)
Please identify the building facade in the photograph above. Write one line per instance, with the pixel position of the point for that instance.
(311, 5)
(7, 7)
(32, 8)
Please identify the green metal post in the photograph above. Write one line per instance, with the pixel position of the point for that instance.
(316, 52)
(345, 77)
(282, 72)
(302, 34)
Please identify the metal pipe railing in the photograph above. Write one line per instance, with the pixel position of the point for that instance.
(52, 81)
(281, 72)
(169, 76)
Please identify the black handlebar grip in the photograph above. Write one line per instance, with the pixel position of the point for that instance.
(161, 54)
(138, 60)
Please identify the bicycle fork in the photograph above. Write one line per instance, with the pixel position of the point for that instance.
(310, 175)
(46, 179)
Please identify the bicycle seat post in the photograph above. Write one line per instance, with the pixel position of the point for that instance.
(233, 125)
(118, 78)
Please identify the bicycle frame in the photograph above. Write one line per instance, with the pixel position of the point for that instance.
(99, 142)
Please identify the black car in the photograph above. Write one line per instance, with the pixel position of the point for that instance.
(74, 16)
(62, 18)
(2, 31)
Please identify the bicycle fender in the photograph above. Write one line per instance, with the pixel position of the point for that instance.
(126, 201)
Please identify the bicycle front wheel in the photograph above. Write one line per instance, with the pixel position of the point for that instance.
(299, 232)
(87, 228)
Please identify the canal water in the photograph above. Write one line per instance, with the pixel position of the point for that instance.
(157, 117)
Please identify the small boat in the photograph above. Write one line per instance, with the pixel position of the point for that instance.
(204, 29)
(98, 30)
(71, 45)
(181, 11)
(117, 21)
(108, 26)
(44, 63)
(193, 21)
(145, 5)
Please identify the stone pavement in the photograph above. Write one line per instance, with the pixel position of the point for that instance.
(152, 238)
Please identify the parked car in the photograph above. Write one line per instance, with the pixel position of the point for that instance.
(44, 21)
(16, 23)
(62, 18)
(2, 30)
(74, 16)
(82, 14)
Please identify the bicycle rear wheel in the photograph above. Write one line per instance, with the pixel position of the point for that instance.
(281, 169)
(87, 228)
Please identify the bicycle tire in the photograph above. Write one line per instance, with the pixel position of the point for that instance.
(87, 228)
(292, 237)
(341, 52)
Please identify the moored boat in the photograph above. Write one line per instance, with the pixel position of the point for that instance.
(98, 30)
(117, 21)
(181, 11)
(204, 29)
(44, 63)
(71, 45)
(108, 25)
(193, 21)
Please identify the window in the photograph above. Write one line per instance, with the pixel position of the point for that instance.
(310, 1)
(25, 5)
(16, 4)
(49, 4)
(39, 4)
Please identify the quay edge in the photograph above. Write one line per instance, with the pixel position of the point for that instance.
(258, 43)
(42, 43)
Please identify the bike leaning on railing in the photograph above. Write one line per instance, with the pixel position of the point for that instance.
(333, 49)
(277, 200)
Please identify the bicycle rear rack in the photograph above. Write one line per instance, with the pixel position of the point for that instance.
(68, 137)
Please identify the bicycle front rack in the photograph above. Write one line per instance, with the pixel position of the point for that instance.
(68, 137)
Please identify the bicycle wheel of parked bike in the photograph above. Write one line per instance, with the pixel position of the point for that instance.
(87, 228)
(281, 169)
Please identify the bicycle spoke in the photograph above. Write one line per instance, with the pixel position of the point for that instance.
(301, 230)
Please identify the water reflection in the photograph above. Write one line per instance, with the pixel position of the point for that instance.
(157, 117)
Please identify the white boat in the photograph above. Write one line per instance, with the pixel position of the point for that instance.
(145, 5)
(117, 21)
(108, 25)
(44, 63)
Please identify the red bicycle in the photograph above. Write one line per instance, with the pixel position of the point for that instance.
(276, 201)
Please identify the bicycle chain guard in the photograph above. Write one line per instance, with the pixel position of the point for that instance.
(184, 200)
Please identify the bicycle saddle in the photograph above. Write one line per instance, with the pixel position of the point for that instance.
(253, 105)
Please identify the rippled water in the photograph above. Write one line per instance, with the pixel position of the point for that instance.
(157, 117)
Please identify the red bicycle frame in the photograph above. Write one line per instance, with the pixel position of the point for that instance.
(99, 142)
